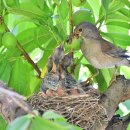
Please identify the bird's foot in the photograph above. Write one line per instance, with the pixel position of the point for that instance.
(112, 80)
(87, 82)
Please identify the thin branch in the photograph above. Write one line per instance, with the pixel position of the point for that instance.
(70, 17)
(22, 50)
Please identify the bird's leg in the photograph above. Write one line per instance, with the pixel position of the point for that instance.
(113, 76)
(89, 80)
(54, 68)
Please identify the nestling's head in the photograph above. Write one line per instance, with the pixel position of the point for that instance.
(86, 30)
(58, 53)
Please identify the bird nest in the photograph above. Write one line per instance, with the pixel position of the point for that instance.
(83, 110)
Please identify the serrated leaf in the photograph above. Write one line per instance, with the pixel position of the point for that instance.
(63, 9)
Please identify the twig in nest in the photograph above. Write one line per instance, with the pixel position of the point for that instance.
(82, 110)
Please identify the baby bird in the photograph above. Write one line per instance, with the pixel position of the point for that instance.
(49, 64)
(57, 57)
(99, 52)
(51, 84)
(68, 81)
(67, 61)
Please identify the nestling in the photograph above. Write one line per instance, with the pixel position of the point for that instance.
(99, 52)
(57, 57)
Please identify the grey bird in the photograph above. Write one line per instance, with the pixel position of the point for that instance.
(99, 52)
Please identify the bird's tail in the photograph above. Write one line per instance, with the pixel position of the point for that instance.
(126, 55)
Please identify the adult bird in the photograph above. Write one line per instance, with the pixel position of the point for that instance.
(99, 52)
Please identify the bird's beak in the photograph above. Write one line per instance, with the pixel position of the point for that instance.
(76, 35)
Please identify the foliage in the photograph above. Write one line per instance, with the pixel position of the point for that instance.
(41, 25)
(34, 123)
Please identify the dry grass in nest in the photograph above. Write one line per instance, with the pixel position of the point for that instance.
(81, 110)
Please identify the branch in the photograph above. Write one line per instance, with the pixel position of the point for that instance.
(12, 104)
(70, 17)
(118, 92)
(25, 54)
(118, 123)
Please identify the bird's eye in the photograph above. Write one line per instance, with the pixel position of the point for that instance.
(80, 30)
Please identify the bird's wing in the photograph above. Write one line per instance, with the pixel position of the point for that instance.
(112, 50)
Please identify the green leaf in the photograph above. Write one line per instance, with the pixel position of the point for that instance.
(43, 124)
(52, 115)
(63, 9)
(118, 16)
(105, 4)
(125, 70)
(102, 15)
(126, 2)
(50, 47)
(29, 11)
(5, 71)
(120, 39)
(3, 124)
(20, 123)
(125, 12)
(95, 5)
(115, 5)
(77, 71)
(118, 23)
(102, 83)
(20, 77)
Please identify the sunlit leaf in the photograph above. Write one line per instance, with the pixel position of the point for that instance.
(20, 77)
(105, 4)
(63, 9)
